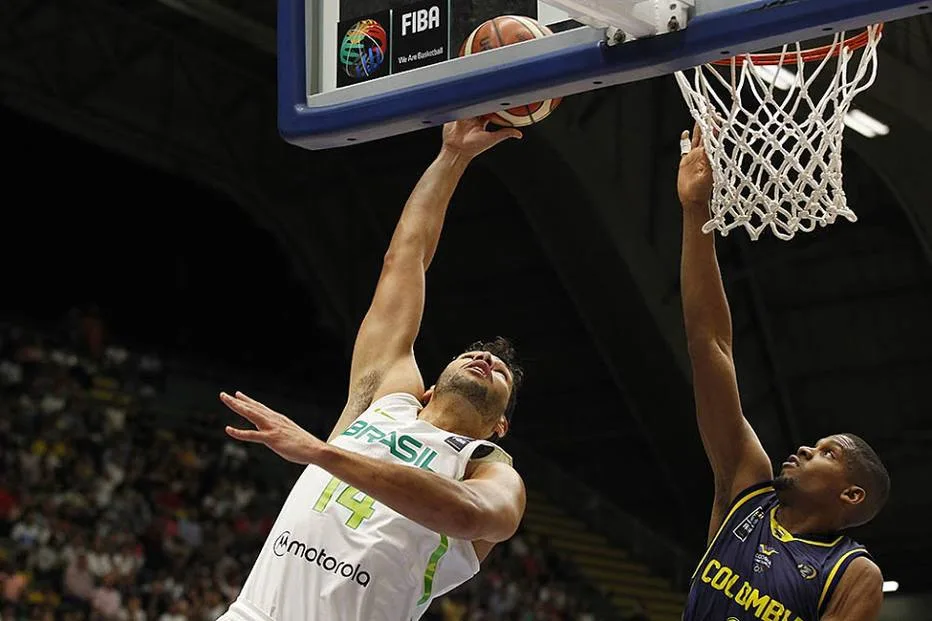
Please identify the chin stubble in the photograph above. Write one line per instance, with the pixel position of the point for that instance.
(474, 392)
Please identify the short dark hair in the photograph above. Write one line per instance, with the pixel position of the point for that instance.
(505, 351)
(868, 472)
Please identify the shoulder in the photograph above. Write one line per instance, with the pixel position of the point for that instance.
(756, 490)
(488, 452)
(759, 493)
(495, 470)
(403, 403)
(858, 594)
(864, 571)
(851, 575)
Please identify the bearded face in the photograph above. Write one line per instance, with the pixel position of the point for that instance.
(479, 378)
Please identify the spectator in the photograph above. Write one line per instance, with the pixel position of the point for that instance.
(79, 583)
(112, 517)
(105, 599)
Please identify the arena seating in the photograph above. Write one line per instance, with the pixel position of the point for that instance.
(108, 510)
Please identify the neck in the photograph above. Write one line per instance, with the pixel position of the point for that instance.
(456, 415)
(801, 521)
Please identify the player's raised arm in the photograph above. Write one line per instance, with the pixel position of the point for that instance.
(486, 506)
(383, 355)
(738, 460)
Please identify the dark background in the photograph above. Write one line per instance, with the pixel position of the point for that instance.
(144, 174)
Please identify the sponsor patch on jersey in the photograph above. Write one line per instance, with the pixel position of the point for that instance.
(746, 527)
(458, 442)
(762, 560)
(285, 545)
(807, 571)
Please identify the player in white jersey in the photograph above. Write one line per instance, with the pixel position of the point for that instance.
(408, 495)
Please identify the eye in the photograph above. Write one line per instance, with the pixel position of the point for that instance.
(829, 452)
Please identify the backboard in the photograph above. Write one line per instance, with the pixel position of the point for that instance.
(621, 41)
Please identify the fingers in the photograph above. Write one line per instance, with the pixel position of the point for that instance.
(245, 409)
(502, 133)
(244, 397)
(685, 146)
(697, 135)
(246, 435)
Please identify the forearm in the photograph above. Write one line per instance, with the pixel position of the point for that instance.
(705, 307)
(438, 503)
(418, 229)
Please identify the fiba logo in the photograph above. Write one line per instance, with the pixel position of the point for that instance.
(364, 48)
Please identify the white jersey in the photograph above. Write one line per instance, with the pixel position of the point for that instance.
(336, 554)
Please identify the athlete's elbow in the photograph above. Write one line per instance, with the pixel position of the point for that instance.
(705, 344)
(400, 254)
(408, 245)
(477, 522)
(464, 520)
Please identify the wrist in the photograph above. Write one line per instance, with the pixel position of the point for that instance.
(320, 453)
(695, 205)
(453, 158)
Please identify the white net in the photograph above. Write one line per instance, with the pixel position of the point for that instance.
(772, 127)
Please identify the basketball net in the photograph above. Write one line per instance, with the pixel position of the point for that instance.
(773, 142)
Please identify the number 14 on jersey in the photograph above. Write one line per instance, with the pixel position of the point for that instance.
(359, 504)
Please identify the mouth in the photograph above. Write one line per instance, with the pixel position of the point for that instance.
(791, 462)
(480, 368)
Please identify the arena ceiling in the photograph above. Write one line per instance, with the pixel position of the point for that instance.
(568, 242)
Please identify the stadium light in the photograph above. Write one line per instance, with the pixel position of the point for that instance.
(865, 124)
(782, 78)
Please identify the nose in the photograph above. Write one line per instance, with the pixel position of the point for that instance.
(805, 452)
(484, 355)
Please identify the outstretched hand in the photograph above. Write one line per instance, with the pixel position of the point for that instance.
(694, 184)
(276, 431)
(470, 137)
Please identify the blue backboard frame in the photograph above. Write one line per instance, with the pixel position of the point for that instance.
(563, 64)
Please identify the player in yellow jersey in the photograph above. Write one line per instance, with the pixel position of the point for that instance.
(776, 545)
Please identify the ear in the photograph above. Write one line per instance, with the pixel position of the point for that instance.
(428, 394)
(501, 428)
(853, 495)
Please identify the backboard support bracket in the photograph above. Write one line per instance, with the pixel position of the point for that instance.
(635, 18)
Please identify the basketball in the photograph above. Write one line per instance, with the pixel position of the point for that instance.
(505, 30)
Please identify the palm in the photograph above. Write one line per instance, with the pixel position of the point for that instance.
(274, 430)
(695, 180)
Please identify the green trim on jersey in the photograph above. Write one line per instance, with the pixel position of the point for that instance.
(432, 569)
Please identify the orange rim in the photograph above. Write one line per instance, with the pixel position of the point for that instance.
(807, 56)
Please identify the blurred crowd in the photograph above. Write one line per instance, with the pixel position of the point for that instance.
(106, 513)
(523, 580)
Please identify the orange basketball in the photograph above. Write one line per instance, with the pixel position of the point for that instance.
(505, 30)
